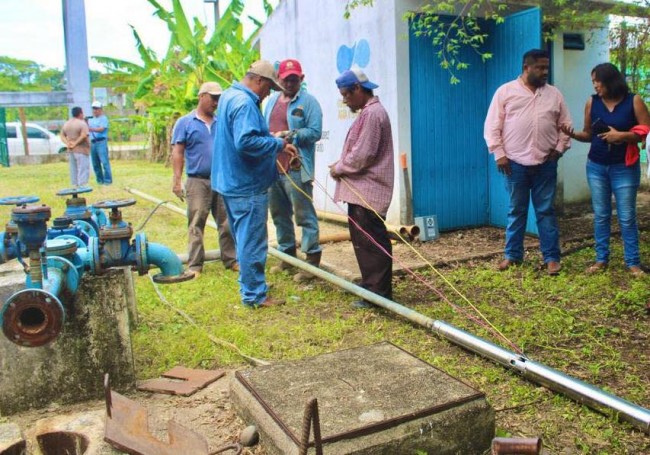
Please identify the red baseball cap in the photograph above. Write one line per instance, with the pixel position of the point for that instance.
(289, 67)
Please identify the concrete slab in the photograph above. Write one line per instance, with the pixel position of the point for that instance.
(95, 340)
(377, 399)
(11, 439)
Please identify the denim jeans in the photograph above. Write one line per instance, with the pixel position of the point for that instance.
(536, 183)
(101, 165)
(284, 199)
(247, 216)
(623, 182)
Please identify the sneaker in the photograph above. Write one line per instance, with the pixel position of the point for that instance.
(362, 305)
(303, 277)
(197, 273)
(636, 271)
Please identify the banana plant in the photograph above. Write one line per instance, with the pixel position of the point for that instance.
(165, 88)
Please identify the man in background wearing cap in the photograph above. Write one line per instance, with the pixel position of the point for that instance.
(243, 169)
(192, 145)
(364, 179)
(98, 125)
(296, 114)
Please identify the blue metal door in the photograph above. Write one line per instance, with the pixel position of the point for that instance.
(508, 43)
(454, 177)
(448, 156)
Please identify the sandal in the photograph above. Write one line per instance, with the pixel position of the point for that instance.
(597, 267)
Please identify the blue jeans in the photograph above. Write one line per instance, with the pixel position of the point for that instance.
(101, 165)
(247, 216)
(284, 199)
(623, 182)
(537, 183)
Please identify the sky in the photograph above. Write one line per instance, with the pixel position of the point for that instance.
(33, 29)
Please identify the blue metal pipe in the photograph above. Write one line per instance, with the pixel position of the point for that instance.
(166, 260)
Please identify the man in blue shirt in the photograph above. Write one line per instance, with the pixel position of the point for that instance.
(296, 114)
(192, 146)
(243, 169)
(98, 126)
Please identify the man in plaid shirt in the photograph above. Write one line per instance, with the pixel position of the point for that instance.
(364, 179)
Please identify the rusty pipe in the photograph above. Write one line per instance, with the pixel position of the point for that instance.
(409, 232)
(518, 446)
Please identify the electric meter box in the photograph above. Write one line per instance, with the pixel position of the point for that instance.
(428, 227)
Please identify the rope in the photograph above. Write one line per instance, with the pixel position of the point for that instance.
(483, 321)
(252, 360)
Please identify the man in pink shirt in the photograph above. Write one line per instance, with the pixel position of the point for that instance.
(364, 179)
(522, 130)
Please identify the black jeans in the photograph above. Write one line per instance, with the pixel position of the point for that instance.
(375, 265)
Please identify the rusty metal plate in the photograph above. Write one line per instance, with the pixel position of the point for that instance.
(181, 381)
(127, 430)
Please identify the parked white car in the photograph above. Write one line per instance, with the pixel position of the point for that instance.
(40, 140)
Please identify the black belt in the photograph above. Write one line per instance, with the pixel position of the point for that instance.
(98, 140)
(199, 176)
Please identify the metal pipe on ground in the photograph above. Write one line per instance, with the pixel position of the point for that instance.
(550, 378)
(411, 232)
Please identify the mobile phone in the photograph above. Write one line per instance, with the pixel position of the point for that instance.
(599, 127)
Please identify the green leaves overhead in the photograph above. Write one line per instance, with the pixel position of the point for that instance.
(166, 88)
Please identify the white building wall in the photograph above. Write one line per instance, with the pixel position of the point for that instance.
(572, 75)
(313, 31)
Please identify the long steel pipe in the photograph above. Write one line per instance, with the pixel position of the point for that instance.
(551, 378)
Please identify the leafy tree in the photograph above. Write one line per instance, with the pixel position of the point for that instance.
(165, 88)
(465, 30)
(630, 51)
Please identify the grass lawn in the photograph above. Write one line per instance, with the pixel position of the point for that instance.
(592, 327)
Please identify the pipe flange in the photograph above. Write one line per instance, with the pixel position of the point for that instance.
(86, 228)
(162, 279)
(79, 242)
(96, 261)
(32, 318)
(60, 246)
(141, 260)
(115, 233)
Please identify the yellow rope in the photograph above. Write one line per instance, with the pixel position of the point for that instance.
(462, 296)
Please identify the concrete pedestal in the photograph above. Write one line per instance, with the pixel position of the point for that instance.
(95, 340)
(377, 399)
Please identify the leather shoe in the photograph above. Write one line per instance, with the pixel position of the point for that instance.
(553, 267)
(636, 271)
(506, 264)
(596, 267)
(269, 302)
(234, 267)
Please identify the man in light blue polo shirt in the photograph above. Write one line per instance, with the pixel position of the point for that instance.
(192, 147)
(98, 126)
(243, 169)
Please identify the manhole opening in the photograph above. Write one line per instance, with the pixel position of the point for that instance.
(62, 443)
(19, 448)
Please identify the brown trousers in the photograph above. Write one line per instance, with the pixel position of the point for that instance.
(375, 265)
(201, 201)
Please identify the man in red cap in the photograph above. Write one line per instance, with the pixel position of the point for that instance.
(295, 114)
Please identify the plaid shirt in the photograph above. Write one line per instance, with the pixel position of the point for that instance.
(367, 163)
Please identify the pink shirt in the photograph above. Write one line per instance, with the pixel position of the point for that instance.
(367, 162)
(524, 125)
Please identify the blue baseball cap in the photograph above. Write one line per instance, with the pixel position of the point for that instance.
(352, 77)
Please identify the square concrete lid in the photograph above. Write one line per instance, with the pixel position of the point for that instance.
(360, 391)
